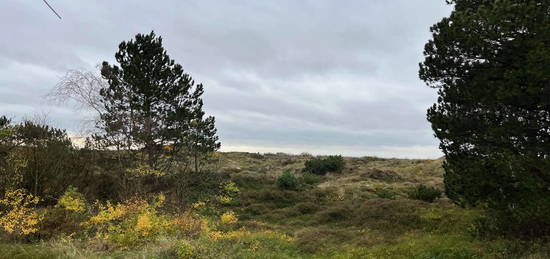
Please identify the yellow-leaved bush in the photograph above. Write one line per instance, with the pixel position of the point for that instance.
(230, 193)
(72, 201)
(228, 218)
(128, 224)
(18, 216)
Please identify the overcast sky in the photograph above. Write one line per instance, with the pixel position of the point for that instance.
(324, 77)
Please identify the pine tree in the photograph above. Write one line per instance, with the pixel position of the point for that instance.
(490, 61)
(152, 106)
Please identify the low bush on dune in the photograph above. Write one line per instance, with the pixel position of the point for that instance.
(287, 181)
(385, 194)
(310, 179)
(322, 166)
(425, 193)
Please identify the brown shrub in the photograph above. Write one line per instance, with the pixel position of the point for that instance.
(382, 175)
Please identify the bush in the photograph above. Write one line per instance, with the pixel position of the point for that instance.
(229, 218)
(425, 193)
(191, 186)
(310, 179)
(18, 215)
(132, 223)
(287, 181)
(385, 194)
(229, 194)
(321, 166)
(72, 201)
(184, 249)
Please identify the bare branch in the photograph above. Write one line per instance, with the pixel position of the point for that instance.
(80, 89)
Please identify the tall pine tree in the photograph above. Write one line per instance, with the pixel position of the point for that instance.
(152, 106)
(490, 61)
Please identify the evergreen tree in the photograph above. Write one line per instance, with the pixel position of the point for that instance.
(490, 61)
(152, 106)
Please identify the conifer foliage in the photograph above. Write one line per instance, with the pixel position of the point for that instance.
(152, 105)
(490, 62)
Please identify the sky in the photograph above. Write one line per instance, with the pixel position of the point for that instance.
(316, 76)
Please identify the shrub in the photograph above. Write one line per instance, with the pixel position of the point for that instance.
(385, 194)
(321, 166)
(72, 201)
(59, 222)
(191, 186)
(17, 213)
(287, 181)
(310, 179)
(132, 223)
(184, 249)
(229, 218)
(425, 193)
(187, 224)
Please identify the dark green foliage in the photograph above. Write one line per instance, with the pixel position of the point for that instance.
(58, 221)
(425, 193)
(6, 144)
(287, 181)
(151, 103)
(5, 131)
(385, 194)
(192, 186)
(322, 166)
(41, 160)
(490, 61)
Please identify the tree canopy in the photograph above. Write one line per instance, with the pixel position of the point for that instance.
(490, 62)
(152, 105)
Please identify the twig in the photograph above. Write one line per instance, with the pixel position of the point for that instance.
(51, 8)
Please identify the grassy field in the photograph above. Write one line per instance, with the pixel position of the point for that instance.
(363, 212)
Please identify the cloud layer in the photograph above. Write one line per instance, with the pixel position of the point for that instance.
(317, 76)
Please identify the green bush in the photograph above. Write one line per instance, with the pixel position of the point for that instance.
(191, 186)
(310, 179)
(184, 249)
(321, 166)
(385, 194)
(287, 181)
(425, 193)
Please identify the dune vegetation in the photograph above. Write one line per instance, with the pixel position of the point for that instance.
(368, 210)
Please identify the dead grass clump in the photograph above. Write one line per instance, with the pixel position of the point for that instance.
(382, 175)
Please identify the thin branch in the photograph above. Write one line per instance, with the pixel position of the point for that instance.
(51, 8)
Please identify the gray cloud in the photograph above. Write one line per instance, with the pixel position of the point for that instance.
(313, 76)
